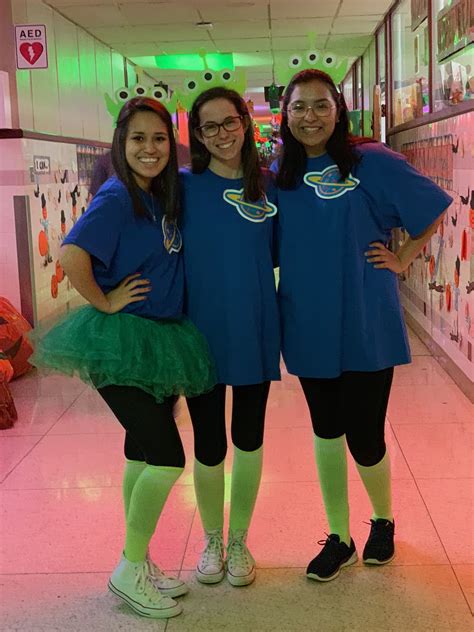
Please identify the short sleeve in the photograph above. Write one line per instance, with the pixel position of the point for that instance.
(98, 230)
(403, 196)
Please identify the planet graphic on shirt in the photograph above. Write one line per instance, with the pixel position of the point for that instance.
(328, 184)
(171, 236)
(252, 211)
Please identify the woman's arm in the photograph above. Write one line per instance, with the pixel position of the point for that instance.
(77, 264)
(398, 262)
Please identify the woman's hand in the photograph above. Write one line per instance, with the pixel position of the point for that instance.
(130, 290)
(382, 257)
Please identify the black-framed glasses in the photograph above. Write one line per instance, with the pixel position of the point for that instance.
(231, 124)
(299, 109)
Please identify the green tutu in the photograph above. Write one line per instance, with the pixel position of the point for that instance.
(163, 358)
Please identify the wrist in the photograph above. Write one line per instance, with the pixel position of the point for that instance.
(103, 305)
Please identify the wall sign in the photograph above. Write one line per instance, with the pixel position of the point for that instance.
(41, 164)
(31, 48)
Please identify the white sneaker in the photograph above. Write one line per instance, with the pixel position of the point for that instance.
(168, 585)
(240, 563)
(131, 582)
(210, 568)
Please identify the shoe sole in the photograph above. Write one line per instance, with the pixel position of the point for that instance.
(241, 581)
(179, 591)
(372, 561)
(215, 578)
(352, 560)
(154, 613)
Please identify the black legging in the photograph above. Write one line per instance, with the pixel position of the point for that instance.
(151, 432)
(354, 404)
(208, 418)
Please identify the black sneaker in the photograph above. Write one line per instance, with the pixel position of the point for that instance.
(331, 559)
(379, 548)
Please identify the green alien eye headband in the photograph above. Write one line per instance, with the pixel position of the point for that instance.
(335, 66)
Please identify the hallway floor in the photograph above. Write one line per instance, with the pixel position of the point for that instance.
(61, 523)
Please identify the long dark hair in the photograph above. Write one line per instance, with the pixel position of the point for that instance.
(254, 188)
(342, 146)
(165, 186)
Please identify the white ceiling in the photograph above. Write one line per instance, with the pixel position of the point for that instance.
(264, 28)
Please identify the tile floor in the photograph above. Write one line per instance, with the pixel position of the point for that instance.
(61, 524)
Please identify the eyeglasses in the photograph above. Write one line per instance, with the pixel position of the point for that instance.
(231, 124)
(298, 109)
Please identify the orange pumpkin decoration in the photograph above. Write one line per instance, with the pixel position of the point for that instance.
(54, 286)
(432, 265)
(8, 414)
(448, 297)
(6, 369)
(59, 272)
(14, 345)
(464, 249)
(42, 243)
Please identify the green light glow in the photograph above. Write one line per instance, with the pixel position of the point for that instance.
(256, 59)
(215, 61)
(144, 61)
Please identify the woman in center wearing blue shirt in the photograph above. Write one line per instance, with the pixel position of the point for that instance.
(230, 296)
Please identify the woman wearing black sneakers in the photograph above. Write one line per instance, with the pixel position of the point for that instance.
(339, 197)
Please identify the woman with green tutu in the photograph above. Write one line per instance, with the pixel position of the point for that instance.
(132, 342)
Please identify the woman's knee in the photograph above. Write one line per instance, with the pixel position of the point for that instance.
(210, 452)
(367, 453)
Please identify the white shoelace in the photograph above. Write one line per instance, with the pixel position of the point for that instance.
(214, 549)
(153, 569)
(145, 586)
(238, 553)
(140, 578)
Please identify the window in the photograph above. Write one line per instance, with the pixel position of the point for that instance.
(348, 91)
(410, 66)
(453, 78)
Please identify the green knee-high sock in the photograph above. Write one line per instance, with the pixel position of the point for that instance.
(132, 471)
(332, 470)
(146, 504)
(377, 482)
(209, 487)
(246, 475)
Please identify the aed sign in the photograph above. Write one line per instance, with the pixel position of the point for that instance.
(41, 164)
(31, 49)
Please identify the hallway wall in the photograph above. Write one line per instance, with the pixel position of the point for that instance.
(67, 99)
(438, 291)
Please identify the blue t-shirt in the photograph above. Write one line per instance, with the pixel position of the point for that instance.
(338, 313)
(230, 287)
(121, 244)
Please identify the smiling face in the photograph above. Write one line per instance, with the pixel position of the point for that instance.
(313, 130)
(226, 146)
(147, 147)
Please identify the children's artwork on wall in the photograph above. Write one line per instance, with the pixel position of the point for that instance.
(439, 290)
(56, 201)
